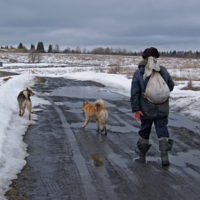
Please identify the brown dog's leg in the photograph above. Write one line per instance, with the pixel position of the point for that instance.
(104, 127)
(29, 115)
(86, 123)
(19, 110)
(97, 123)
(23, 111)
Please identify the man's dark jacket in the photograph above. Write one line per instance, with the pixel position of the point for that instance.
(139, 103)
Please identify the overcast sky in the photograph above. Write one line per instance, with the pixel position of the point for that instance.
(131, 24)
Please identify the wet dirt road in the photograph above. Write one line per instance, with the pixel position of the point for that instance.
(68, 162)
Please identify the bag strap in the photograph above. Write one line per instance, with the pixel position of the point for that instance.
(142, 84)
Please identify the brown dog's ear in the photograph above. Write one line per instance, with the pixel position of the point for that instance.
(83, 103)
(87, 101)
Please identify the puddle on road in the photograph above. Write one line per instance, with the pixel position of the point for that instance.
(76, 108)
(119, 129)
(80, 124)
(190, 157)
(87, 92)
(125, 110)
(181, 121)
(117, 160)
(73, 104)
(98, 160)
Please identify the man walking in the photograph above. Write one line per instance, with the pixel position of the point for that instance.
(147, 111)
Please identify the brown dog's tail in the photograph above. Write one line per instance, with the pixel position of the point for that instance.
(101, 109)
(99, 105)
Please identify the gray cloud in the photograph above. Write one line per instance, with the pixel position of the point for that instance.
(133, 24)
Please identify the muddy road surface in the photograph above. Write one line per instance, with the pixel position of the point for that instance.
(68, 162)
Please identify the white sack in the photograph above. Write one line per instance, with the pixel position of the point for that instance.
(157, 91)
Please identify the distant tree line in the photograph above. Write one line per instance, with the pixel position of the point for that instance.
(40, 47)
(102, 51)
(6, 47)
(181, 54)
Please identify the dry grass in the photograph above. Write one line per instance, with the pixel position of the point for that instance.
(128, 71)
(100, 69)
(191, 87)
(175, 78)
(78, 70)
(12, 193)
(179, 63)
(18, 187)
(188, 65)
(114, 70)
(13, 51)
(6, 79)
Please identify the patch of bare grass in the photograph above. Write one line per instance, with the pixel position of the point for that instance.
(114, 70)
(175, 78)
(6, 79)
(100, 69)
(100, 84)
(79, 70)
(189, 65)
(191, 87)
(18, 187)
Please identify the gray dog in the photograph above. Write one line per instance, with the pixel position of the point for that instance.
(24, 101)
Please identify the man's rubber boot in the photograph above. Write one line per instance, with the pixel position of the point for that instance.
(164, 147)
(141, 149)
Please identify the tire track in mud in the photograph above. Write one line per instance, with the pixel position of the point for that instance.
(136, 180)
(50, 172)
(89, 188)
(122, 180)
(89, 175)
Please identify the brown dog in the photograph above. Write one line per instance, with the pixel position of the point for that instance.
(97, 112)
(24, 101)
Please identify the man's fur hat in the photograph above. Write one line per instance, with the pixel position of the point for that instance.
(152, 51)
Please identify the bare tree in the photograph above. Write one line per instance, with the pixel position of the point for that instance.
(118, 51)
(34, 56)
(78, 50)
(84, 51)
(107, 50)
(98, 50)
(124, 51)
(68, 50)
(56, 49)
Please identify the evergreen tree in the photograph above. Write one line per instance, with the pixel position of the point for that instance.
(20, 46)
(40, 47)
(50, 48)
(197, 54)
(32, 47)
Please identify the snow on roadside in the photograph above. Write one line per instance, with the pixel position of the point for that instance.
(116, 82)
(185, 102)
(12, 129)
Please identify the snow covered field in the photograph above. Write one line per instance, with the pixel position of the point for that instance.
(81, 67)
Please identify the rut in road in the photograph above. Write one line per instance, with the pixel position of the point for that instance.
(60, 152)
